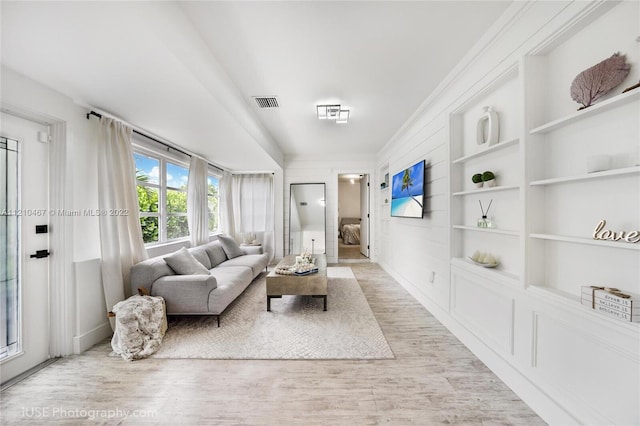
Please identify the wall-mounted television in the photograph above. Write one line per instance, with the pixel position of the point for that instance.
(407, 192)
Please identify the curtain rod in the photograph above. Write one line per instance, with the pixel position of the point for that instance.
(97, 114)
(89, 114)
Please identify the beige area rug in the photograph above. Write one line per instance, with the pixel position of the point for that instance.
(296, 327)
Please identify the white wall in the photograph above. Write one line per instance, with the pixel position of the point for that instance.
(349, 199)
(542, 347)
(415, 249)
(26, 96)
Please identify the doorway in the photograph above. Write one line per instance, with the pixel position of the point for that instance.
(24, 246)
(353, 218)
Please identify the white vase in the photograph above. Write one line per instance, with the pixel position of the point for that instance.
(488, 128)
(489, 183)
(479, 184)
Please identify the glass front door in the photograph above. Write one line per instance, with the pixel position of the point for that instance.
(9, 249)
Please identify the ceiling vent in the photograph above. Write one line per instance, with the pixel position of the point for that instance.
(267, 101)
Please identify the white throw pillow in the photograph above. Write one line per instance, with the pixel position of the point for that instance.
(230, 246)
(183, 263)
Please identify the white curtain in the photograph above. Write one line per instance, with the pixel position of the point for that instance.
(197, 202)
(253, 209)
(226, 205)
(120, 232)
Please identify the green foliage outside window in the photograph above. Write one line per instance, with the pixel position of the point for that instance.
(149, 226)
(177, 226)
(213, 203)
(176, 208)
(148, 202)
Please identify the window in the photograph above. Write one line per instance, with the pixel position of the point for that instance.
(162, 197)
(148, 186)
(177, 177)
(213, 198)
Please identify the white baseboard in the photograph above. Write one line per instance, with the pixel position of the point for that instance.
(546, 407)
(86, 340)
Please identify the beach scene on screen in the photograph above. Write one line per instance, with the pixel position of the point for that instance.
(407, 192)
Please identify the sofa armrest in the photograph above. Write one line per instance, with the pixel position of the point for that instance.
(185, 293)
(251, 249)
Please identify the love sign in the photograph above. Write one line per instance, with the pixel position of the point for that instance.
(605, 234)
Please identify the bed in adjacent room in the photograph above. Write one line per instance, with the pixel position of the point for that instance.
(350, 230)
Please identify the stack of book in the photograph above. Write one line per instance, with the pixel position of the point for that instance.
(612, 302)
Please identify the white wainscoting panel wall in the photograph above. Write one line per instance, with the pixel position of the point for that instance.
(92, 325)
(524, 318)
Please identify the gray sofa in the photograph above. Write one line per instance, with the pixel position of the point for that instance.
(200, 294)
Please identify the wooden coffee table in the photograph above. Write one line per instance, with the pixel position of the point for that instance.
(300, 285)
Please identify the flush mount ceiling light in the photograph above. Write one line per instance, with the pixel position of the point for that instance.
(332, 112)
(343, 116)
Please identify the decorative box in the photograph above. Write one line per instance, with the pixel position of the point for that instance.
(612, 302)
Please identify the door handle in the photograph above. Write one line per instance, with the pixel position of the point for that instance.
(39, 254)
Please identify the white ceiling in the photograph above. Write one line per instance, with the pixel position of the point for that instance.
(187, 71)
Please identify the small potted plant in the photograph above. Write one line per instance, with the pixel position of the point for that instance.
(477, 180)
(488, 179)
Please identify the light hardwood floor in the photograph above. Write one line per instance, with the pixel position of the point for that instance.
(433, 380)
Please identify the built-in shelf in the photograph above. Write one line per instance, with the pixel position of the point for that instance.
(494, 148)
(489, 230)
(608, 173)
(483, 190)
(578, 240)
(603, 106)
(572, 301)
(553, 292)
(488, 272)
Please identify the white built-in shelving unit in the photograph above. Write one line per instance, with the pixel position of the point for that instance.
(485, 190)
(546, 204)
(488, 230)
(596, 175)
(565, 201)
(486, 151)
(385, 197)
(584, 114)
(588, 241)
(505, 160)
(383, 209)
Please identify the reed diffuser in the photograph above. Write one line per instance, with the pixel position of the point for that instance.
(484, 221)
